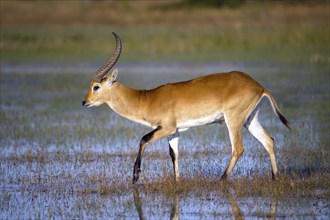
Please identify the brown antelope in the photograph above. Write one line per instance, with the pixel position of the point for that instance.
(233, 98)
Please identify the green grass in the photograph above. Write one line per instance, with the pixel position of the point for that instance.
(161, 31)
(173, 44)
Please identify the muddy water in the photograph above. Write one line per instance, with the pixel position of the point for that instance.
(56, 156)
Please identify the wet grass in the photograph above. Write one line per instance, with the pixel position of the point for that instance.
(59, 160)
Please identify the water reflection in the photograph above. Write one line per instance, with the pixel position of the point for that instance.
(229, 198)
(236, 211)
(273, 207)
(175, 208)
(239, 214)
(138, 205)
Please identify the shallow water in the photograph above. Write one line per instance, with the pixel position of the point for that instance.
(67, 204)
(55, 155)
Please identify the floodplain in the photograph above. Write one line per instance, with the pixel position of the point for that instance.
(59, 160)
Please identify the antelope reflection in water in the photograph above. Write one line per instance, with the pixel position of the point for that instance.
(237, 213)
(138, 205)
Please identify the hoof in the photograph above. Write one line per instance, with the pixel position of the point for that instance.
(275, 176)
(136, 176)
(177, 179)
(223, 177)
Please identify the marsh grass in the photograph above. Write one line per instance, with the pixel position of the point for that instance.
(59, 160)
(254, 186)
(52, 150)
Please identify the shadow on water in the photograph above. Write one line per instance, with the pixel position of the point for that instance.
(236, 211)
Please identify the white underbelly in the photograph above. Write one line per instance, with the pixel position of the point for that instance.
(216, 117)
(185, 125)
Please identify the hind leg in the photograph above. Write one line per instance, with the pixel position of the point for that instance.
(235, 136)
(265, 139)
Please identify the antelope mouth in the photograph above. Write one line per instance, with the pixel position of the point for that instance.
(86, 104)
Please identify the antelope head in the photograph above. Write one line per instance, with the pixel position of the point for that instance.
(101, 85)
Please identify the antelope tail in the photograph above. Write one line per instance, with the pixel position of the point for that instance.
(276, 109)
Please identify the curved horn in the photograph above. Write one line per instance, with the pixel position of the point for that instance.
(99, 75)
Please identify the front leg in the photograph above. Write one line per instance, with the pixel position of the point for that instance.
(156, 134)
(174, 153)
(136, 172)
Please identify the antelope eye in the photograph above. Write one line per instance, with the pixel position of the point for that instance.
(95, 88)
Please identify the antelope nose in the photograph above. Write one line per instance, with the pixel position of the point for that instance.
(83, 103)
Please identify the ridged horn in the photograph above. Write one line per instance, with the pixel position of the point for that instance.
(102, 72)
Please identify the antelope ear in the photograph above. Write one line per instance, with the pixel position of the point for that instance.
(112, 77)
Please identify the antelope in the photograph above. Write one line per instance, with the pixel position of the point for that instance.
(231, 98)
